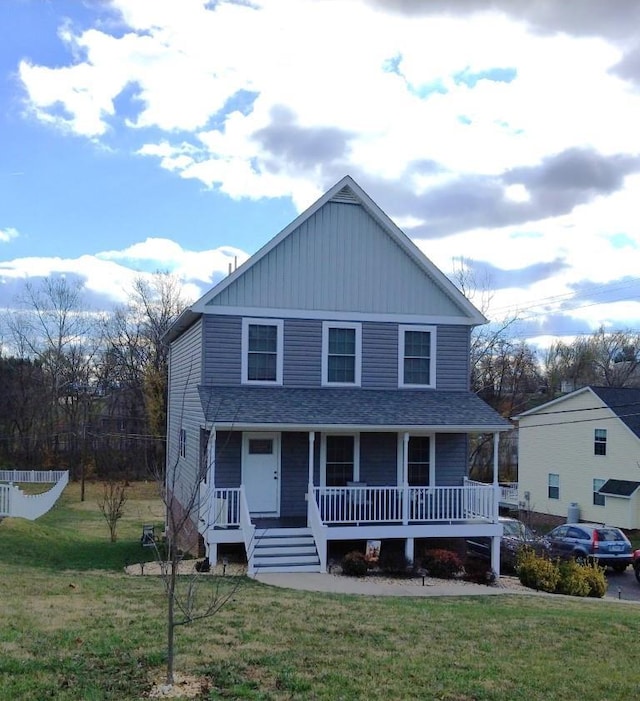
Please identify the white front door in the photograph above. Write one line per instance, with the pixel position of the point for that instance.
(261, 472)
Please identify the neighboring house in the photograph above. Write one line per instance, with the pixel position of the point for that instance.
(579, 456)
(321, 392)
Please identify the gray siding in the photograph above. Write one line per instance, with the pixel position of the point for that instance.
(339, 259)
(451, 459)
(228, 459)
(378, 458)
(184, 410)
(452, 358)
(223, 349)
(302, 353)
(295, 474)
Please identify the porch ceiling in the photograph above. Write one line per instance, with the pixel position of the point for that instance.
(365, 409)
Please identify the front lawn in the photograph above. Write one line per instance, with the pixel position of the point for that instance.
(74, 626)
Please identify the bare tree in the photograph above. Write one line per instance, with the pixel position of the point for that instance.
(111, 504)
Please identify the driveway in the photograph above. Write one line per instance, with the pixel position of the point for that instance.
(623, 586)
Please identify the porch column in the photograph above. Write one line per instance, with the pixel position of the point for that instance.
(312, 438)
(405, 479)
(495, 555)
(496, 485)
(211, 458)
(211, 549)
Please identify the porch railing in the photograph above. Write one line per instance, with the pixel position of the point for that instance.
(32, 476)
(355, 505)
(225, 507)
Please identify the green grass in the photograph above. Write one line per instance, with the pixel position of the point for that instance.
(74, 626)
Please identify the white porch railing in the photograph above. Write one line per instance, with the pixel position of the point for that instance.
(319, 531)
(355, 505)
(248, 531)
(509, 492)
(32, 476)
(225, 507)
(14, 502)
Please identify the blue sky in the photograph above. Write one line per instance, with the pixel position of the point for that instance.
(142, 135)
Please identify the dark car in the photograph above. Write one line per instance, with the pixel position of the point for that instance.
(515, 535)
(605, 545)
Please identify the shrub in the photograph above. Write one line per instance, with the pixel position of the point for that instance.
(395, 563)
(594, 575)
(443, 564)
(572, 579)
(478, 571)
(354, 564)
(537, 572)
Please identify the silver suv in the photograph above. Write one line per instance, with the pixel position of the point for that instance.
(605, 545)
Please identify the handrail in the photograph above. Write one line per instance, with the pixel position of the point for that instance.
(318, 529)
(248, 532)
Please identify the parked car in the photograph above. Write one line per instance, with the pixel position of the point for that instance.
(636, 564)
(515, 535)
(605, 545)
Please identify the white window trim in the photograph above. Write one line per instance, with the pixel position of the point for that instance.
(279, 324)
(326, 325)
(432, 360)
(323, 456)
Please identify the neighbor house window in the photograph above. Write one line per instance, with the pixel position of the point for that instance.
(598, 499)
(262, 349)
(419, 453)
(416, 356)
(182, 443)
(340, 460)
(554, 486)
(600, 441)
(341, 353)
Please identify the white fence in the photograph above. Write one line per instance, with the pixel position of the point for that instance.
(14, 502)
(32, 476)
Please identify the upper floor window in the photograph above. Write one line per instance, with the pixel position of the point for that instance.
(600, 441)
(416, 356)
(553, 486)
(262, 349)
(341, 353)
(598, 499)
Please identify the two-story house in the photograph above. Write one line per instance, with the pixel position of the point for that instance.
(321, 392)
(579, 457)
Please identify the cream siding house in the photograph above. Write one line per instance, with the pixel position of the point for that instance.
(579, 455)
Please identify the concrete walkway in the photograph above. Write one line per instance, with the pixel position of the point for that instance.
(369, 587)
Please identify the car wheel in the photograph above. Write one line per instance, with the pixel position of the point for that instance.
(637, 573)
(619, 569)
(580, 557)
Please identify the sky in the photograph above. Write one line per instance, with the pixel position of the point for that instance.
(502, 136)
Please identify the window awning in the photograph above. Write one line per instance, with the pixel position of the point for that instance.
(619, 488)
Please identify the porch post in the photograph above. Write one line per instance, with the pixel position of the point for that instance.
(312, 438)
(496, 485)
(405, 479)
(210, 548)
(211, 458)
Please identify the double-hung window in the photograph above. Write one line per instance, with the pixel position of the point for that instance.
(600, 441)
(553, 486)
(262, 349)
(340, 460)
(598, 499)
(418, 461)
(416, 356)
(341, 353)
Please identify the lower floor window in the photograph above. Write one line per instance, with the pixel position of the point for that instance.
(340, 460)
(598, 499)
(554, 486)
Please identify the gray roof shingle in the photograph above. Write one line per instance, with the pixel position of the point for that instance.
(624, 402)
(289, 406)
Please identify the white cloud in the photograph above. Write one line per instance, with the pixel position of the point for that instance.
(8, 234)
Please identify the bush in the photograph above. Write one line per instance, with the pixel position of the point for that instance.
(594, 575)
(478, 571)
(537, 572)
(443, 564)
(354, 564)
(572, 580)
(395, 563)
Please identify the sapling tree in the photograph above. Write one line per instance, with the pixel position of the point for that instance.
(111, 504)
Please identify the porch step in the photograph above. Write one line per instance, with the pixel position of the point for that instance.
(285, 550)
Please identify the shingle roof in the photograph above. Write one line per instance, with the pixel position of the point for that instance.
(624, 402)
(619, 488)
(288, 406)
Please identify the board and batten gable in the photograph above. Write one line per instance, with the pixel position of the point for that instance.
(302, 360)
(185, 409)
(338, 260)
(558, 438)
